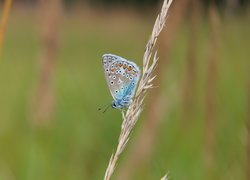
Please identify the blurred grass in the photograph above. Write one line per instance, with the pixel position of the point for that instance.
(80, 140)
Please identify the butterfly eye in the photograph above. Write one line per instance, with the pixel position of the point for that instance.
(113, 105)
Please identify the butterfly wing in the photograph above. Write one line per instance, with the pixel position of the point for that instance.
(121, 75)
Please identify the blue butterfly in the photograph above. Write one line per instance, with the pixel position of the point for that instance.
(122, 77)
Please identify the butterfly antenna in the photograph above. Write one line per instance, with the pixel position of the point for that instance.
(105, 107)
(108, 106)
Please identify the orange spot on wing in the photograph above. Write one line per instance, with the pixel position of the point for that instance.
(130, 68)
(120, 64)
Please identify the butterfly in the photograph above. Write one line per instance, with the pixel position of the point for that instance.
(122, 77)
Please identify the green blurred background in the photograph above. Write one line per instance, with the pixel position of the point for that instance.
(52, 84)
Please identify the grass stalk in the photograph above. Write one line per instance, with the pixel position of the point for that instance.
(210, 96)
(149, 64)
(159, 102)
(6, 12)
(43, 105)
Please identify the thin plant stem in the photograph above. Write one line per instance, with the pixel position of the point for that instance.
(43, 103)
(143, 145)
(149, 64)
(165, 177)
(6, 12)
(210, 96)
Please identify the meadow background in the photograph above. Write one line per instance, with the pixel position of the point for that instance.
(195, 124)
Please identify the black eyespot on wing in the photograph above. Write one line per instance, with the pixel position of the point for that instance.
(112, 82)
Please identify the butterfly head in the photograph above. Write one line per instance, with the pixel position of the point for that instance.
(121, 103)
(116, 105)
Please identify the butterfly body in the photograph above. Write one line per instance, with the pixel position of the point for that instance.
(122, 77)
